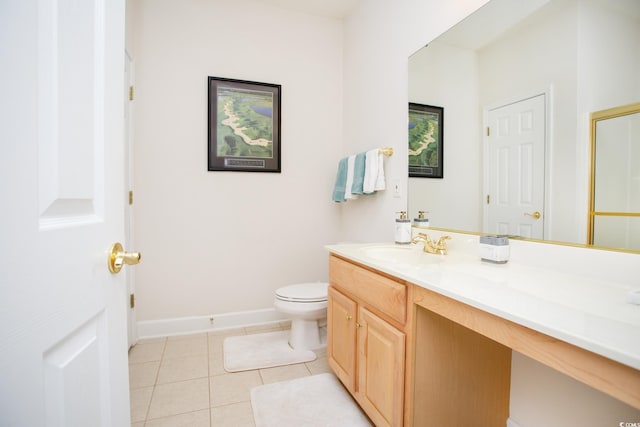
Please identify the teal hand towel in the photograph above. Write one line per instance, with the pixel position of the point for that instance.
(358, 174)
(341, 181)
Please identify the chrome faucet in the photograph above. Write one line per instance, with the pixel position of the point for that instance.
(439, 247)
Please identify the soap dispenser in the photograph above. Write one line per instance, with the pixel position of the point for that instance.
(403, 229)
(421, 221)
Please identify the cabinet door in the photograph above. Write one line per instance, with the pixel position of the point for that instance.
(341, 337)
(381, 350)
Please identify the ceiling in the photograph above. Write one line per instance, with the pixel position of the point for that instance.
(489, 22)
(331, 8)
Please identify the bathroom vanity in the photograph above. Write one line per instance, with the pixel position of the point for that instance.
(367, 330)
(426, 340)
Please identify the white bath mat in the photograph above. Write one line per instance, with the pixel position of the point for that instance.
(315, 401)
(257, 351)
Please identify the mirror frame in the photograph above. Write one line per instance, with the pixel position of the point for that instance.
(527, 239)
(596, 116)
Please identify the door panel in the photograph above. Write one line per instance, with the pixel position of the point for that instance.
(341, 337)
(73, 390)
(381, 350)
(70, 112)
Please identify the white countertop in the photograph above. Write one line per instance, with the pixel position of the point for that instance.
(591, 313)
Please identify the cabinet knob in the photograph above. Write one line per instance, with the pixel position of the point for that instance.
(349, 317)
(358, 325)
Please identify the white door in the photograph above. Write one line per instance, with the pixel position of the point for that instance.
(514, 168)
(63, 335)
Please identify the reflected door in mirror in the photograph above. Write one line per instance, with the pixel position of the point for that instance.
(514, 169)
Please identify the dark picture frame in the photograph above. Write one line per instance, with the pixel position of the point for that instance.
(244, 126)
(426, 141)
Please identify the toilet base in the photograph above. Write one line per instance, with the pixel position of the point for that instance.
(306, 335)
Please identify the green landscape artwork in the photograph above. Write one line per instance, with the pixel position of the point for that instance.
(245, 122)
(424, 139)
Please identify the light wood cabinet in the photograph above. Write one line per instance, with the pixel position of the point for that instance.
(341, 337)
(381, 353)
(366, 347)
(411, 356)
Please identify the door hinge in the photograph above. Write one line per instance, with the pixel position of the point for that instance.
(131, 197)
(488, 131)
(131, 93)
(488, 199)
(132, 300)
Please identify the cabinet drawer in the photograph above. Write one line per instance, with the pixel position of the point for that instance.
(381, 293)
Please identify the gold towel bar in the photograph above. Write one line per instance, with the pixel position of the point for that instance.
(386, 151)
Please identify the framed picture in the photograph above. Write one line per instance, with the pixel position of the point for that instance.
(425, 141)
(244, 126)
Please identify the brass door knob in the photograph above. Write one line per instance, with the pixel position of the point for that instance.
(535, 215)
(118, 257)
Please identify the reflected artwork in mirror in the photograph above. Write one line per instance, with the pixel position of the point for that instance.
(576, 56)
(425, 141)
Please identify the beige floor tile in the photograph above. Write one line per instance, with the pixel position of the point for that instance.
(321, 352)
(257, 329)
(194, 346)
(191, 386)
(179, 398)
(202, 335)
(183, 368)
(151, 340)
(234, 415)
(227, 332)
(139, 400)
(147, 352)
(215, 344)
(217, 338)
(190, 419)
(216, 364)
(143, 374)
(284, 373)
(319, 366)
(233, 388)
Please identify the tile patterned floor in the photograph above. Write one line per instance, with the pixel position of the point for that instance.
(181, 381)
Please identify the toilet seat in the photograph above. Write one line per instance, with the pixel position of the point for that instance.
(303, 292)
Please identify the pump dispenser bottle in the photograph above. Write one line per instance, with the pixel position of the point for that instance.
(403, 229)
(421, 221)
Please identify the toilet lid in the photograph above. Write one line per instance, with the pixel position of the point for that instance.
(303, 292)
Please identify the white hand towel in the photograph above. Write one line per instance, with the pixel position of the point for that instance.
(350, 168)
(381, 183)
(371, 165)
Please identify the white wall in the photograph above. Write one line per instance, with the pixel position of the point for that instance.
(446, 76)
(379, 37)
(222, 242)
(540, 396)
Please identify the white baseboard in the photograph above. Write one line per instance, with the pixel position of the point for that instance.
(511, 423)
(198, 324)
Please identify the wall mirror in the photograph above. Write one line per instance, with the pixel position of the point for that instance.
(614, 214)
(556, 61)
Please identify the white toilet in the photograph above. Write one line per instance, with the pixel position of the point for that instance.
(306, 305)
